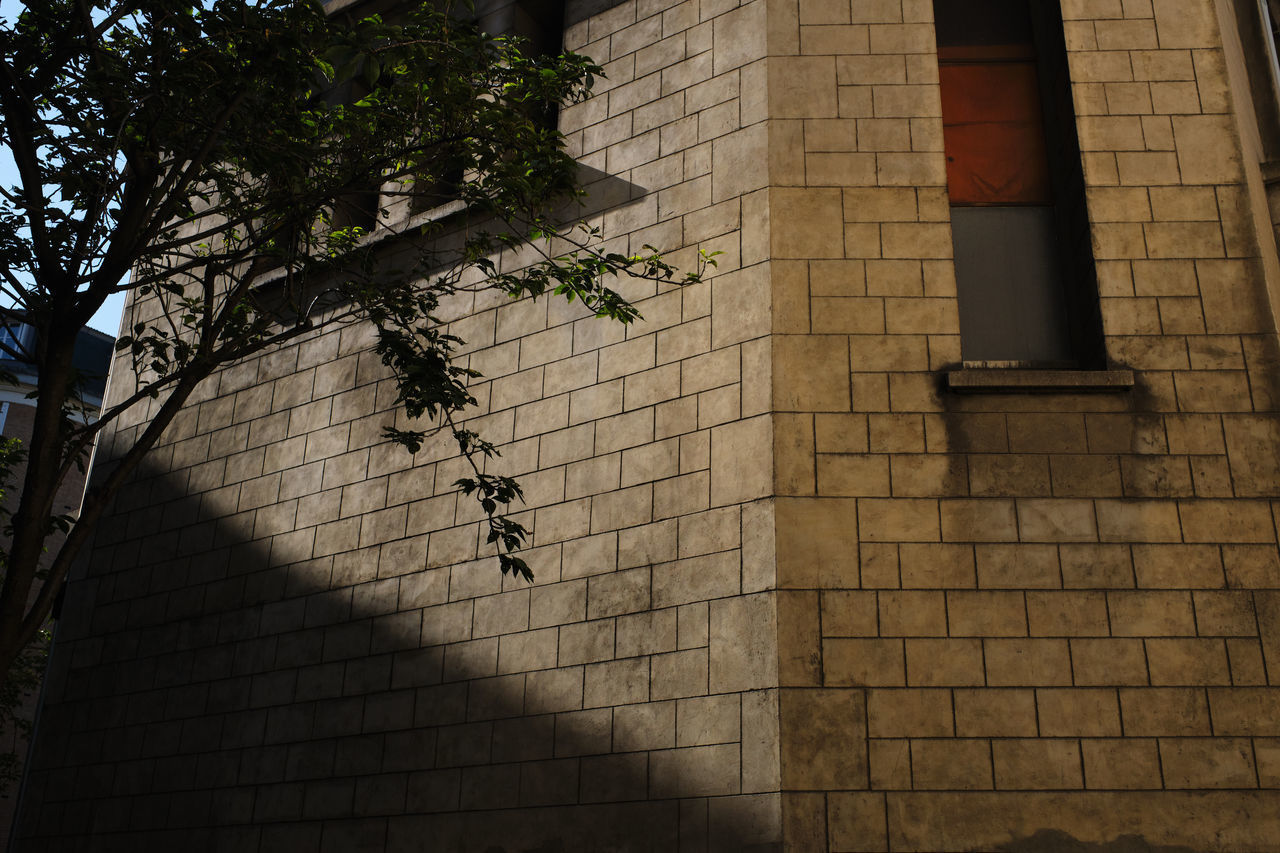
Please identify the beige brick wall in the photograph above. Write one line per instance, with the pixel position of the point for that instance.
(299, 635)
(1058, 592)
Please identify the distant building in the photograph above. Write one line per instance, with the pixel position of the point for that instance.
(93, 354)
(17, 414)
(942, 517)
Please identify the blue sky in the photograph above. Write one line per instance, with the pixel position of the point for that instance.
(108, 317)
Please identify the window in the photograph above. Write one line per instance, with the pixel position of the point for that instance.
(1024, 265)
(541, 24)
(15, 340)
(1269, 10)
(429, 196)
(1258, 26)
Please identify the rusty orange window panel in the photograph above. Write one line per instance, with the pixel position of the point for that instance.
(994, 134)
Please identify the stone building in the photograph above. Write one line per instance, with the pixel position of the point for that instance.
(851, 547)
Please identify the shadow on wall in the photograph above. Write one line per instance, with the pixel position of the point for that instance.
(206, 694)
(1055, 841)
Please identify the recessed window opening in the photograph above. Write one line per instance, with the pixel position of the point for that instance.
(1270, 13)
(1024, 266)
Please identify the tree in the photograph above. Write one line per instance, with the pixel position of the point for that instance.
(238, 168)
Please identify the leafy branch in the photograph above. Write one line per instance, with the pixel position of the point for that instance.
(248, 171)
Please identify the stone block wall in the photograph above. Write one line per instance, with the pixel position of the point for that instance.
(1037, 615)
(292, 636)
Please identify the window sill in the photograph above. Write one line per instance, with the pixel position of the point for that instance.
(382, 233)
(404, 224)
(1270, 172)
(1004, 380)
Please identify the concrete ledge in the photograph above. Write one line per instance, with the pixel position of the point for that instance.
(1023, 380)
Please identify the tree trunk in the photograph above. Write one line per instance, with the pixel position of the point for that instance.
(38, 488)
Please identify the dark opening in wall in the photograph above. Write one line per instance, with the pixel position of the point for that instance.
(1024, 263)
(540, 23)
